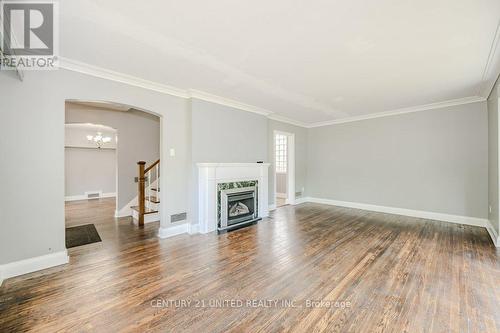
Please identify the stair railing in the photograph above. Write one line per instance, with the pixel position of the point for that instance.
(150, 175)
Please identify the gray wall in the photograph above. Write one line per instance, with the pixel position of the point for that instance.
(35, 163)
(493, 155)
(434, 160)
(224, 134)
(138, 139)
(281, 183)
(300, 155)
(89, 170)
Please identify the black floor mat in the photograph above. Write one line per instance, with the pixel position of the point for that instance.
(81, 235)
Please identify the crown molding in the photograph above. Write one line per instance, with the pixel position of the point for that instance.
(103, 73)
(80, 67)
(492, 68)
(287, 120)
(425, 107)
(227, 102)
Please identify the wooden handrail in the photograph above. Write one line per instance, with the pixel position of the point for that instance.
(151, 166)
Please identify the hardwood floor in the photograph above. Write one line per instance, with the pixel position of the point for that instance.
(387, 273)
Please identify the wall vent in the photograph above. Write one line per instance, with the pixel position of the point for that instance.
(298, 194)
(178, 217)
(93, 195)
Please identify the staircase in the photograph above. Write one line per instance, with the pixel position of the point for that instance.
(148, 182)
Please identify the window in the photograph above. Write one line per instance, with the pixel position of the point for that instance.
(281, 153)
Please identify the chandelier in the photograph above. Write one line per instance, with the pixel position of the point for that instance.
(98, 139)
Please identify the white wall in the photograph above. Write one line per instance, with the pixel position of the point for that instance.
(434, 161)
(138, 140)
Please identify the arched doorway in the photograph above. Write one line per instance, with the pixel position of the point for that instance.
(101, 130)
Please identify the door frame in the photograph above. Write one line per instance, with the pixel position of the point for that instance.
(290, 172)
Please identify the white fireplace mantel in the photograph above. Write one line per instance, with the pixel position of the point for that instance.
(211, 174)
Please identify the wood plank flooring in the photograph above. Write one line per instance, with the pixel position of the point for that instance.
(387, 273)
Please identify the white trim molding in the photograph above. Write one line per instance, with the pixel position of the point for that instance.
(493, 234)
(126, 210)
(474, 221)
(425, 107)
(80, 67)
(174, 230)
(193, 228)
(272, 207)
(84, 196)
(103, 73)
(467, 220)
(283, 119)
(30, 265)
(201, 95)
(301, 200)
(491, 68)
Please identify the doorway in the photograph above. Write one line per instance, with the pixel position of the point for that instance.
(104, 142)
(284, 168)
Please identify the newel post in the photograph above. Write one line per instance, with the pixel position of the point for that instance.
(141, 197)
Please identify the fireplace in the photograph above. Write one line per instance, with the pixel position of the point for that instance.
(238, 206)
(213, 178)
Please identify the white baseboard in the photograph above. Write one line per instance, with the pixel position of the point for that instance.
(33, 264)
(281, 195)
(299, 201)
(193, 228)
(84, 196)
(467, 220)
(173, 230)
(126, 210)
(474, 221)
(495, 237)
(272, 207)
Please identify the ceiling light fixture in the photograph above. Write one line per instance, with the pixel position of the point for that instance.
(98, 139)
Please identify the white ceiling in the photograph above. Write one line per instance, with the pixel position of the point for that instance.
(311, 61)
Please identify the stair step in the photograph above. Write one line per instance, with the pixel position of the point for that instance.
(155, 189)
(153, 199)
(146, 210)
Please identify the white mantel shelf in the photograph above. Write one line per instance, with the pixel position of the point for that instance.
(211, 174)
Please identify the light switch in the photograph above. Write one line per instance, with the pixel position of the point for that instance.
(172, 152)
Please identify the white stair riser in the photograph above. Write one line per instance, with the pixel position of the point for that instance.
(152, 205)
